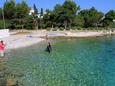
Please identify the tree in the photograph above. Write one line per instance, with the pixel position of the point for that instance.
(79, 21)
(46, 18)
(35, 10)
(69, 12)
(65, 14)
(1, 19)
(0, 13)
(9, 9)
(22, 9)
(16, 13)
(41, 12)
(35, 17)
(91, 17)
(29, 23)
(109, 17)
(57, 14)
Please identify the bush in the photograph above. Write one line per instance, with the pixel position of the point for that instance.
(7, 23)
(48, 29)
(54, 29)
(79, 28)
(61, 28)
(73, 28)
(1, 24)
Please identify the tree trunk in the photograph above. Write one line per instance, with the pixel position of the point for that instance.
(65, 24)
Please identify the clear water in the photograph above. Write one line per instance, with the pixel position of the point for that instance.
(73, 62)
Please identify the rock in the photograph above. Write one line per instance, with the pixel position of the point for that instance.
(2, 74)
(2, 67)
(1, 60)
(11, 82)
(2, 82)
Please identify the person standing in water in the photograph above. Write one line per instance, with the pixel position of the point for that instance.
(2, 47)
(49, 48)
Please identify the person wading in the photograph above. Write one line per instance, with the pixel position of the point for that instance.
(49, 48)
(2, 47)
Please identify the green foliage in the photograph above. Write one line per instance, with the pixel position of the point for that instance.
(91, 17)
(9, 9)
(1, 24)
(61, 28)
(29, 23)
(48, 29)
(112, 25)
(35, 10)
(109, 17)
(48, 18)
(15, 24)
(57, 14)
(22, 10)
(0, 13)
(69, 9)
(65, 14)
(79, 21)
(41, 12)
(62, 17)
(26, 23)
(16, 14)
(79, 28)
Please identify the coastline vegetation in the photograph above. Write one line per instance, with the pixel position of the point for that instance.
(67, 16)
(62, 17)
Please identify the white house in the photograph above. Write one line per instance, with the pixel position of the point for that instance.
(31, 12)
(38, 15)
(113, 20)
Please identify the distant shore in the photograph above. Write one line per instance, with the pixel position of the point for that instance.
(24, 38)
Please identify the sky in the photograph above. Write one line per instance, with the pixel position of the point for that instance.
(101, 5)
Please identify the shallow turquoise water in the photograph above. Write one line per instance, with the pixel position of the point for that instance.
(73, 62)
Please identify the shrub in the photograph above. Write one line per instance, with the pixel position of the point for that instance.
(1, 24)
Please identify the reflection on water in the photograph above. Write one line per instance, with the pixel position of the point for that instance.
(73, 62)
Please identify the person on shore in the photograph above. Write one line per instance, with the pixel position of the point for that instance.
(49, 48)
(2, 47)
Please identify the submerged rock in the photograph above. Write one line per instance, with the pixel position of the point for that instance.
(2, 74)
(2, 82)
(18, 74)
(2, 67)
(11, 82)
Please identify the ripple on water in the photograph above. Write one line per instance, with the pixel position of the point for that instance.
(73, 62)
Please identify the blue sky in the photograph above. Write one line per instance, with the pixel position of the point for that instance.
(101, 5)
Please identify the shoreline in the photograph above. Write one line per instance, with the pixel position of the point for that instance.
(20, 39)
